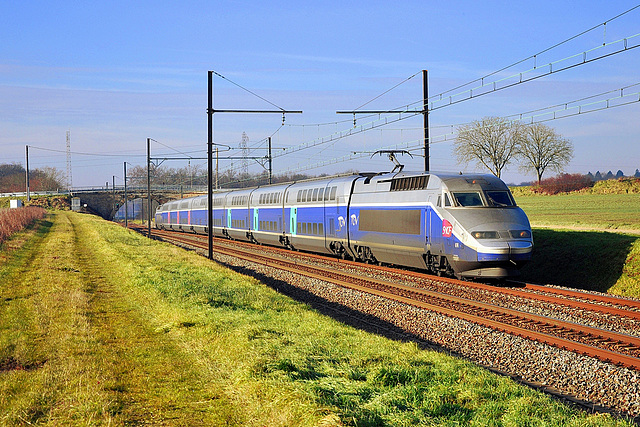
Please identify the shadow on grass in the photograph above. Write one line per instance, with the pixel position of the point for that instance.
(339, 312)
(580, 259)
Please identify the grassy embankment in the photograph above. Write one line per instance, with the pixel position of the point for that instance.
(588, 239)
(99, 325)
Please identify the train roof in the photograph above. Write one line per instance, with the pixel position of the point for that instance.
(443, 176)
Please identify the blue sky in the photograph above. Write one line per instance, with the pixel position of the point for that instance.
(115, 73)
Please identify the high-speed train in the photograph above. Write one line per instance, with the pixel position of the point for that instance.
(467, 226)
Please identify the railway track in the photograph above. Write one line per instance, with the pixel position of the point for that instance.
(608, 346)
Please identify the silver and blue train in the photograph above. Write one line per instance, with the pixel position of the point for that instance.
(467, 226)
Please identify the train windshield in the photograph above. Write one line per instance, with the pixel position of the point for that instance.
(468, 199)
(500, 199)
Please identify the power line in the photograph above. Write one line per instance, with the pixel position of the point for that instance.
(247, 90)
(530, 117)
(79, 153)
(492, 88)
(388, 90)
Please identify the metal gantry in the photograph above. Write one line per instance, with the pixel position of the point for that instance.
(210, 112)
(425, 113)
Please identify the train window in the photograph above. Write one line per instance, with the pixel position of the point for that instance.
(304, 196)
(298, 228)
(333, 193)
(447, 202)
(500, 198)
(439, 203)
(315, 195)
(321, 229)
(321, 194)
(315, 228)
(467, 199)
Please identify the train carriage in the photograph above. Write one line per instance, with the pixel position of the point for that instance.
(268, 214)
(317, 212)
(237, 210)
(388, 219)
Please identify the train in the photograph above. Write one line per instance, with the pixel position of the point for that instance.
(461, 225)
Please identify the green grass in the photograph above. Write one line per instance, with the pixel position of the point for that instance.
(601, 256)
(599, 211)
(100, 326)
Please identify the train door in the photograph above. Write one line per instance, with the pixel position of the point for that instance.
(447, 227)
(435, 227)
(255, 218)
(427, 227)
(293, 219)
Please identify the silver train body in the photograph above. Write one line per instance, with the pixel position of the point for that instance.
(466, 226)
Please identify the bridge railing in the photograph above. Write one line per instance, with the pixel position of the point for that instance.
(118, 189)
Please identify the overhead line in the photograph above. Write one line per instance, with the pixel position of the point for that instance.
(416, 144)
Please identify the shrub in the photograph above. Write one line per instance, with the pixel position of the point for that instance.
(617, 186)
(564, 183)
(12, 220)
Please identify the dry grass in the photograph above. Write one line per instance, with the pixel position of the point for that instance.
(12, 220)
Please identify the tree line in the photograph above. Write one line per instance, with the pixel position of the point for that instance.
(197, 176)
(13, 178)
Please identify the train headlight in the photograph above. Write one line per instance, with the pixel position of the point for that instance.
(520, 234)
(485, 234)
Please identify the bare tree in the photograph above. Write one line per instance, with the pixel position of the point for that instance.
(541, 148)
(492, 143)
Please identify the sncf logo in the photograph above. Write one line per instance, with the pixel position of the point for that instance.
(447, 228)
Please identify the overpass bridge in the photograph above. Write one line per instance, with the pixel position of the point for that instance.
(106, 201)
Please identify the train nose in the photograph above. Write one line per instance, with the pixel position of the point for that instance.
(520, 250)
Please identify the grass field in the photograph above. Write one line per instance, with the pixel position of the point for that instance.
(589, 241)
(100, 326)
(596, 211)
